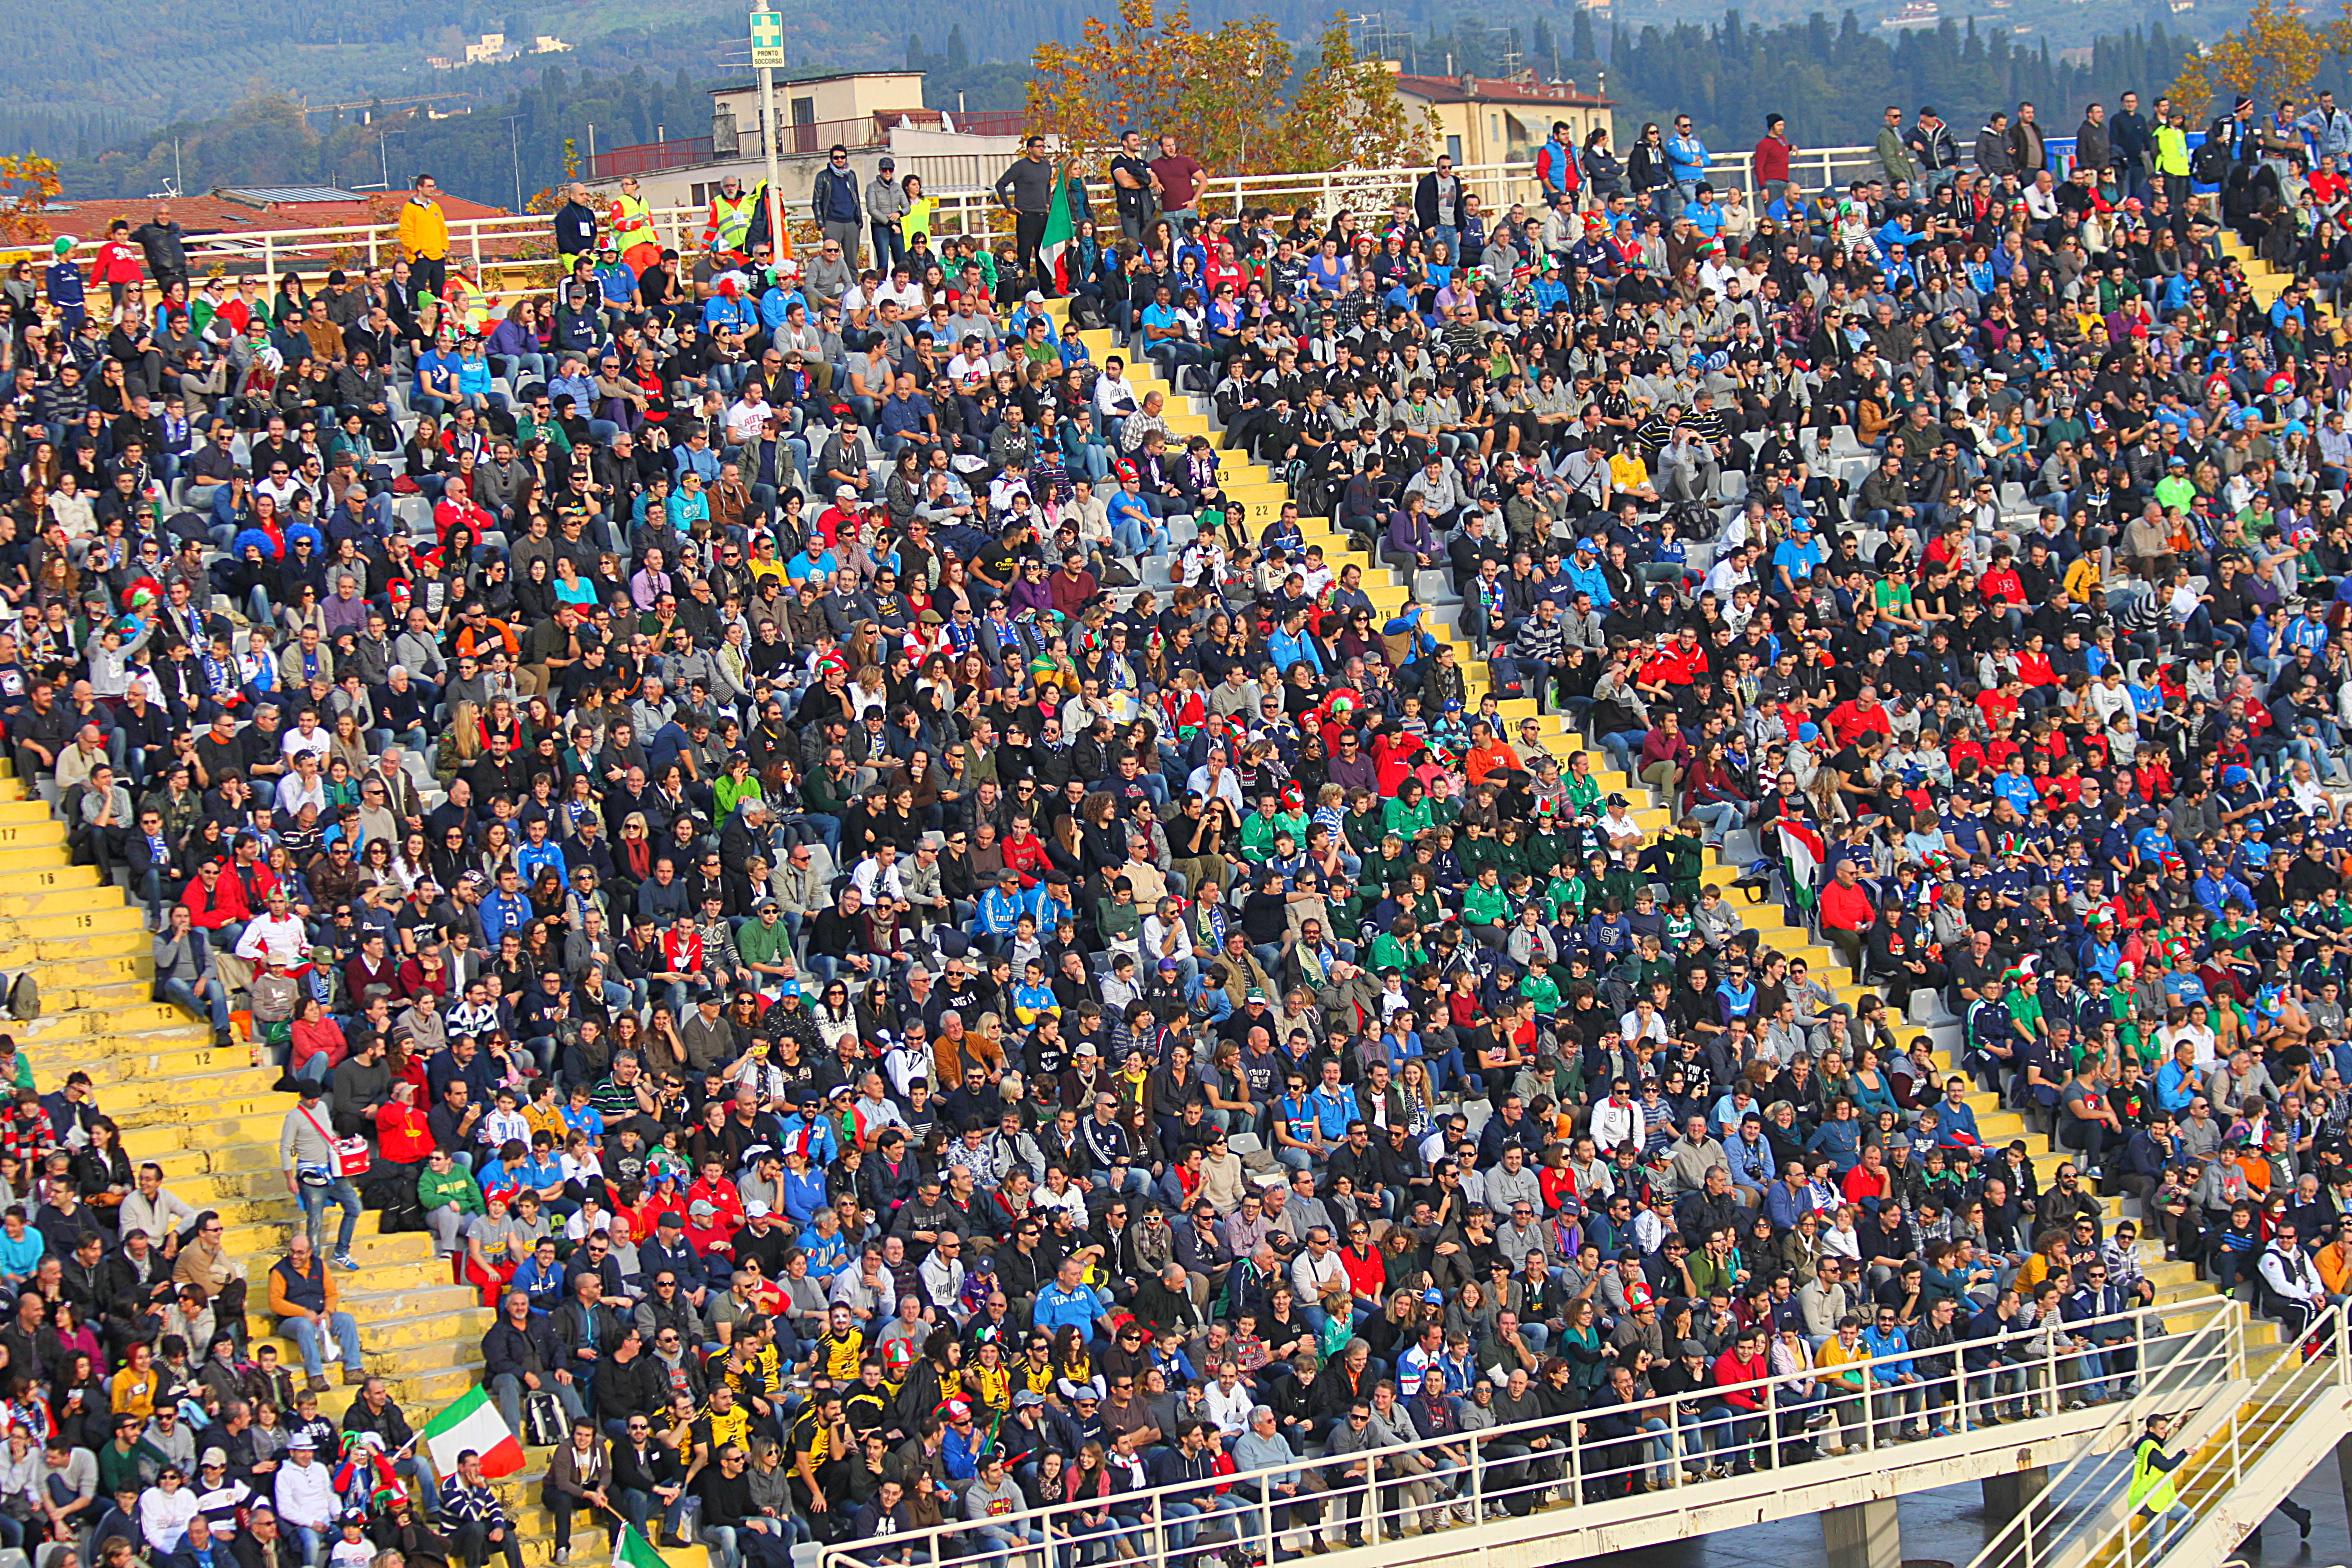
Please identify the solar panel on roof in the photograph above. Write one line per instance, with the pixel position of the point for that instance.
(289, 193)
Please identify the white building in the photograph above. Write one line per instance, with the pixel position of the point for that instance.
(871, 113)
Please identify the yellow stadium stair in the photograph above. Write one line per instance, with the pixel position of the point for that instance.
(1251, 482)
(2268, 283)
(210, 1117)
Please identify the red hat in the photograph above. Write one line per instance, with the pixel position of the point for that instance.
(1639, 1295)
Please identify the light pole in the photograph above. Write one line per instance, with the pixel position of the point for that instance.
(1252, 70)
(514, 150)
(767, 52)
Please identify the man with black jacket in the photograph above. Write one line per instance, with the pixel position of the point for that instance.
(668, 1251)
(1936, 1363)
(1034, 1430)
(739, 1535)
(585, 1329)
(519, 1356)
(374, 1413)
(263, 1543)
(2131, 143)
(631, 1384)
(647, 1475)
(133, 1285)
(1611, 1419)
(665, 1307)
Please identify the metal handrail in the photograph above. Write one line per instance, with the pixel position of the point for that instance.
(1521, 1467)
(484, 242)
(2086, 1483)
(2225, 1456)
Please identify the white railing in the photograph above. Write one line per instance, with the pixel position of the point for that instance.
(2114, 1534)
(1387, 1493)
(2089, 1482)
(511, 242)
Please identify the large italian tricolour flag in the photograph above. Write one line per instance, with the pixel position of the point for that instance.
(1054, 243)
(473, 1422)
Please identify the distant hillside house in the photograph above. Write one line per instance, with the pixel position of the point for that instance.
(489, 49)
(1502, 119)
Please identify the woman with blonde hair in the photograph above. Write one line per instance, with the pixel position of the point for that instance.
(461, 742)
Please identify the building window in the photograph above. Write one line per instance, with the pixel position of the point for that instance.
(1454, 150)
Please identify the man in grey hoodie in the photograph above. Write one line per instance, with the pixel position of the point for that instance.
(886, 203)
(996, 1506)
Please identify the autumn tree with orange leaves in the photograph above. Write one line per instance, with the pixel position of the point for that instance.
(28, 184)
(1215, 91)
(1347, 114)
(1227, 94)
(2278, 53)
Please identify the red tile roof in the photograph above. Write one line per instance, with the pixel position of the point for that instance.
(215, 213)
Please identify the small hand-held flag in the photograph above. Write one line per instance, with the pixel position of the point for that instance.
(473, 1422)
(632, 1550)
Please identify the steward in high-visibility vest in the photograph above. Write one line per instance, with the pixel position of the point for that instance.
(631, 223)
(728, 225)
(2152, 1497)
(2152, 1490)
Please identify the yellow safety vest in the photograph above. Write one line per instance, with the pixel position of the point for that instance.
(2151, 1489)
(632, 223)
(2172, 151)
(731, 220)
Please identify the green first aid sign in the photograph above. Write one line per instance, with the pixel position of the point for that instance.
(767, 39)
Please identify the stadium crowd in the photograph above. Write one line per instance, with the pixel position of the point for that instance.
(927, 962)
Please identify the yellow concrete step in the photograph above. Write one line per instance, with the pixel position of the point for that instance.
(446, 1340)
(371, 1250)
(141, 1025)
(62, 899)
(72, 965)
(151, 1133)
(39, 833)
(457, 1348)
(429, 1375)
(21, 948)
(76, 925)
(194, 1094)
(227, 1159)
(33, 879)
(156, 1040)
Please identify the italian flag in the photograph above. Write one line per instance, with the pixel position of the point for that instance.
(1058, 232)
(473, 1422)
(1805, 849)
(632, 1550)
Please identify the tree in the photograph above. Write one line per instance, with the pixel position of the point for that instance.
(28, 183)
(1346, 114)
(1216, 92)
(2278, 53)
